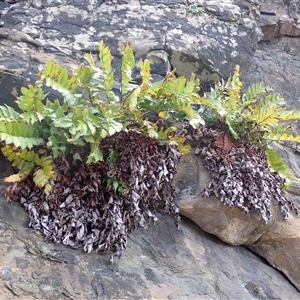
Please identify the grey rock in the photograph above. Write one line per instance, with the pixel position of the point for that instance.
(278, 64)
(207, 44)
(277, 241)
(160, 263)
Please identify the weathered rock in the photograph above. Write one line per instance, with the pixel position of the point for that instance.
(230, 224)
(277, 241)
(209, 44)
(275, 18)
(160, 263)
(280, 245)
(278, 64)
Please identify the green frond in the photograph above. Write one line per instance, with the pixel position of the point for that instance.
(95, 154)
(40, 178)
(192, 86)
(69, 97)
(282, 137)
(234, 82)
(24, 160)
(212, 101)
(128, 63)
(83, 76)
(278, 165)
(19, 134)
(131, 99)
(266, 118)
(7, 113)
(255, 91)
(271, 100)
(31, 99)
(107, 69)
(60, 76)
(146, 77)
(44, 173)
(286, 115)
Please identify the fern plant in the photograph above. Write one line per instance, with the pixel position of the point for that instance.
(256, 116)
(88, 110)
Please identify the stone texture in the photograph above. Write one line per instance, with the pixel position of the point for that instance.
(229, 224)
(278, 241)
(276, 18)
(278, 64)
(159, 263)
(162, 264)
(208, 44)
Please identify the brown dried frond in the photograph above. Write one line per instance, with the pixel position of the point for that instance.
(240, 173)
(223, 141)
(80, 207)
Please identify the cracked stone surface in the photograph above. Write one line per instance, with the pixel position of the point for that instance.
(260, 36)
(209, 44)
(160, 263)
(277, 241)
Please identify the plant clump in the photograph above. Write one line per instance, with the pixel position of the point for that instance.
(94, 164)
(101, 203)
(241, 176)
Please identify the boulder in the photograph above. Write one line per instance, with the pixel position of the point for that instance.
(277, 241)
(229, 224)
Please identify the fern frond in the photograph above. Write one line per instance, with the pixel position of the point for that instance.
(254, 92)
(282, 137)
(176, 96)
(271, 100)
(192, 86)
(278, 165)
(95, 154)
(231, 126)
(56, 77)
(266, 118)
(107, 70)
(14, 178)
(234, 82)
(44, 173)
(7, 113)
(131, 99)
(69, 98)
(60, 75)
(233, 89)
(31, 99)
(128, 63)
(146, 77)
(24, 160)
(286, 115)
(265, 112)
(19, 134)
(83, 75)
(212, 101)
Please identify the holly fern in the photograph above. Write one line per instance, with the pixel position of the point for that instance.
(88, 110)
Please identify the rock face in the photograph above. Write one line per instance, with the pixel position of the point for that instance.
(161, 263)
(276, 60)
(278, 241)
(61, 31)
